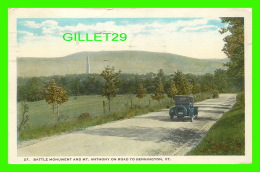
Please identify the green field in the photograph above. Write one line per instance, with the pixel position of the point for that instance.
(40, 112)
(227, 136)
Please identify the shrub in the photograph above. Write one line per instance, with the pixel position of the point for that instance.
(25, 117)
(84, 116)
(215, 94)
(241, 99)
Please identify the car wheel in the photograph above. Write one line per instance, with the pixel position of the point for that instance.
(181, 108)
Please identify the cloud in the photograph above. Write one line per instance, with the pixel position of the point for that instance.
(195, 22)
(46, 23)
(51, 26)
(190, 37)
(26, 33)
(78, 28)
(31, 24)
(199, 28)
(49, 23)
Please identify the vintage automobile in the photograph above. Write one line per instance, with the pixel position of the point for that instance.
(184, 107)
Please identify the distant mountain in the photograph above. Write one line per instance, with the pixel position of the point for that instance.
(127, 61)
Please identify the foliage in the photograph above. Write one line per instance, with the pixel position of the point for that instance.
(24, 108)
(234, 48)
(195, 87)
(32, 90)
(172, 91)
(221, 80)
(202, 96)
(92, 84)
(182, 84)
(141, 91)
(84, 116)
(241, 99)
(111, 81)
(207, 83)
(215, 94)
(161, 77)
(159, 92)
(55, 96)
(193, 80)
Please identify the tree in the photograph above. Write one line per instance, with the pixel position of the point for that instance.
(55, 96)
(111, 81)
(220, 80)
(195, 87)
(75, 85)
(207, 83)
(193, 80)
(31, 90)
(234, 47)
(161, 77)
(140, 93)
(159, 92)
(172, 90)
(149, 82)
(182, 84)
(24, 108)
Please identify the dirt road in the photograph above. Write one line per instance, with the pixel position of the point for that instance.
(147, 135)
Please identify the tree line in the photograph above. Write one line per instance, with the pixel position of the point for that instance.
(32, 88)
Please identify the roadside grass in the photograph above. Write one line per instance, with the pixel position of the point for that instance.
(126, 111)
(227, 136)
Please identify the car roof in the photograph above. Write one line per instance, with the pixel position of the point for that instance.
(183, 99)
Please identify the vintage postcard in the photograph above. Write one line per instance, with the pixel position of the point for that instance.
(130, 86)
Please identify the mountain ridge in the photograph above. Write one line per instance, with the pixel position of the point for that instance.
(126, 61)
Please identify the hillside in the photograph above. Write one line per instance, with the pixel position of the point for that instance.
(127, 61)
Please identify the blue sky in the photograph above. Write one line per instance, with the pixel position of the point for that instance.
(171, 35)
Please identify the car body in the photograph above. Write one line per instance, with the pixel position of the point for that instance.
(184, 107)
